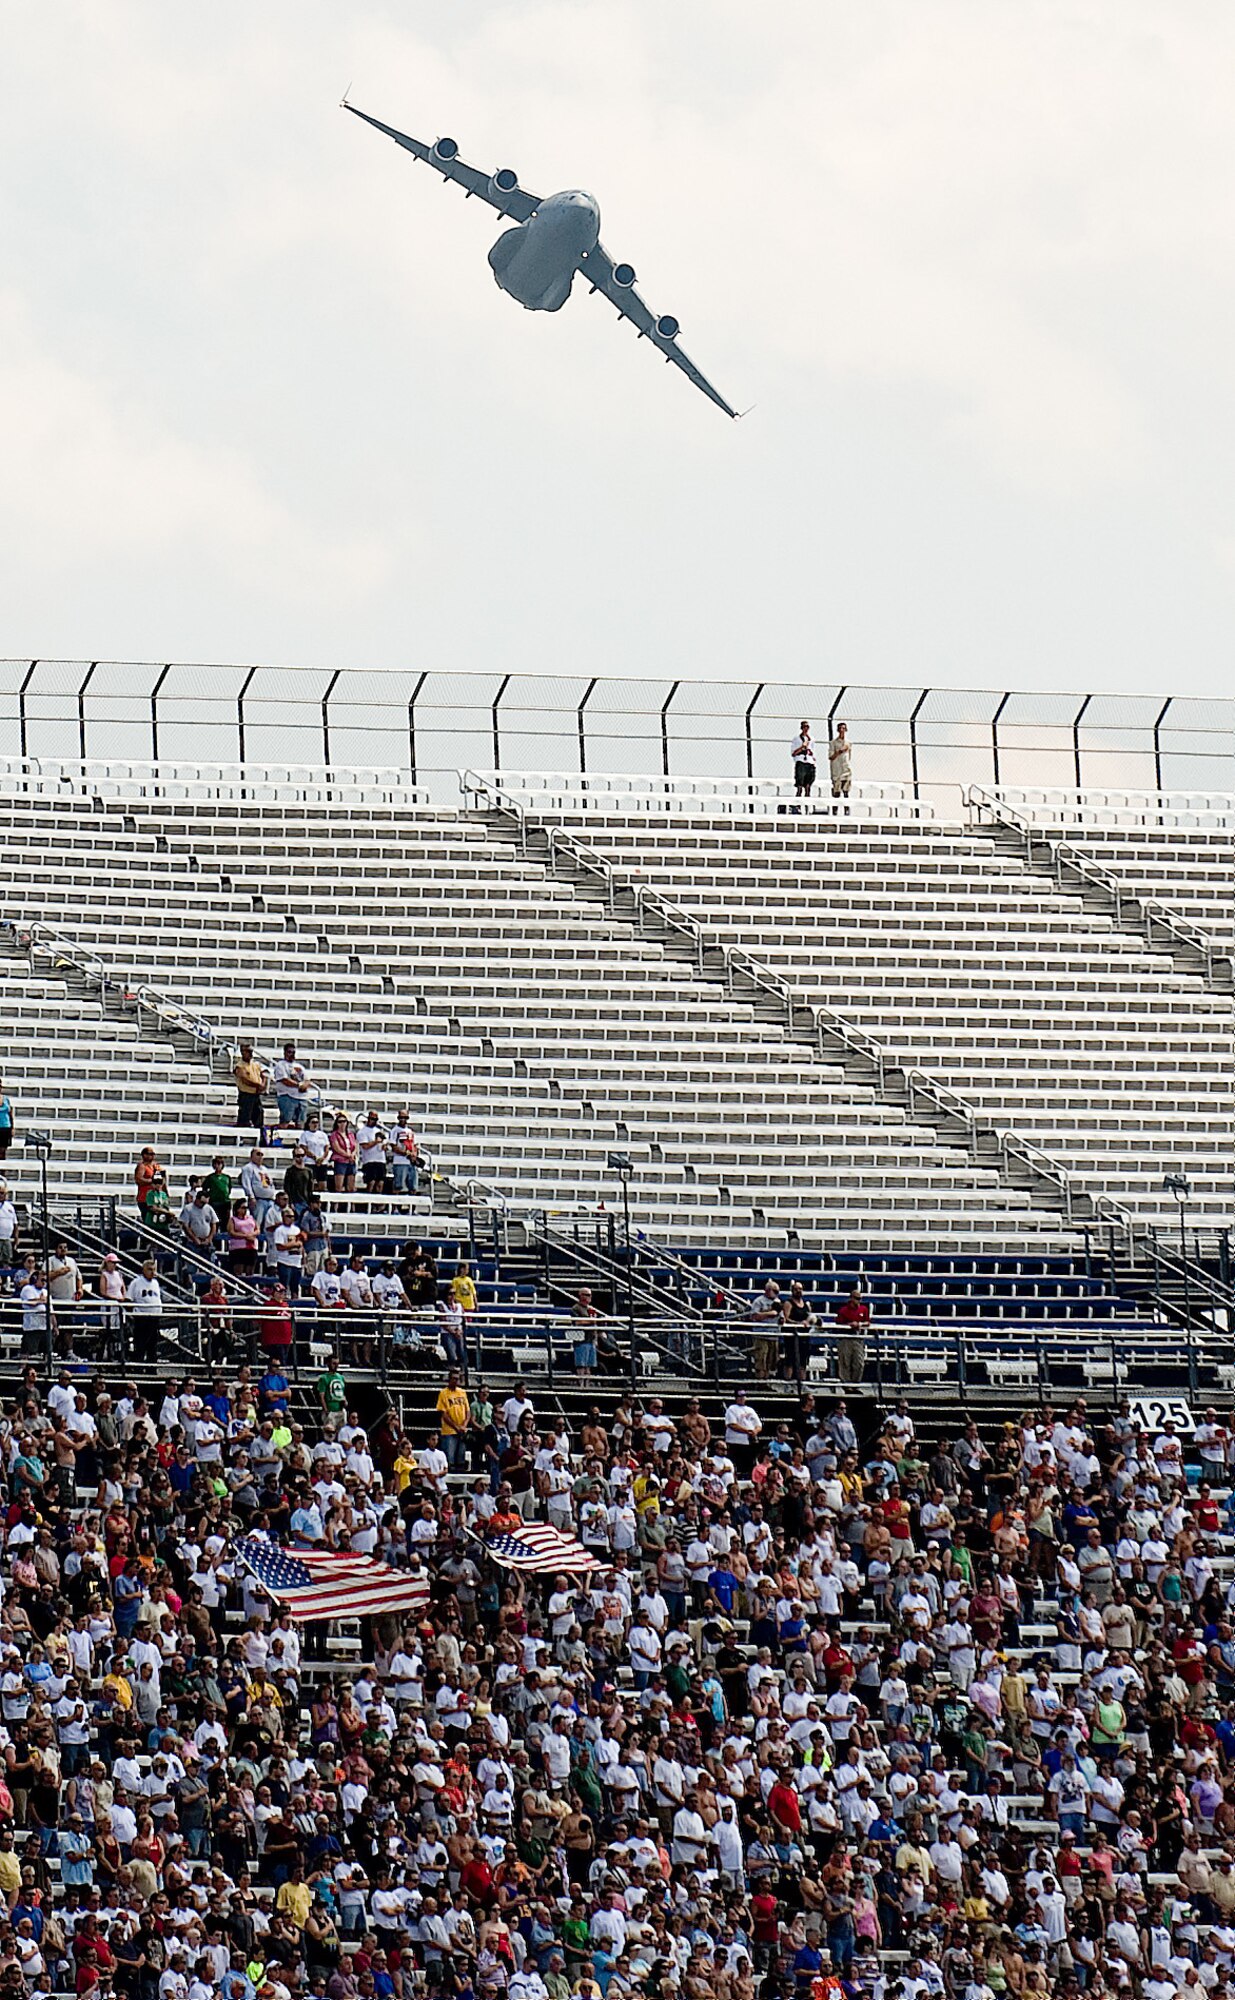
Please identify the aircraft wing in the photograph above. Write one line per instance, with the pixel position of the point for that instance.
(500, 189)
(617, 282)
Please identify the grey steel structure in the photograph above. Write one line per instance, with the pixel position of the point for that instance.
(433, 723)
(555, 239)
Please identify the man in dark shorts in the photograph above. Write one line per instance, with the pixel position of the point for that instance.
(804, 762)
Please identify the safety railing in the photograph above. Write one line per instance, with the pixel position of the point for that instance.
(1147, 915)
(743, 975)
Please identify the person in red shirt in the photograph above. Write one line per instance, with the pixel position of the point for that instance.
(785, 1806)
(274, 1326)
(853, 1319)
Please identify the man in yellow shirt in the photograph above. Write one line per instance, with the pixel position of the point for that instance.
(10, 1868)
(295, 1898)
(454, 1412)
(462, 1290)
(251, 1079)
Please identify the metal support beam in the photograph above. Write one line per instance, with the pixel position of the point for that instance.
(1076, 741)
(664, 728)
(326, 717)
(750, 746)
(497, 732)
(154, 714)
(1003, 703)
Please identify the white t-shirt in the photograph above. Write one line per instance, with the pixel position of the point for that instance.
(327, 1288)
(371, 1139)
(33, 1308)
(742, 1423)
(288, 1248)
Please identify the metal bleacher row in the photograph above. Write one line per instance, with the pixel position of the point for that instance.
(954, 955)
(419, 958)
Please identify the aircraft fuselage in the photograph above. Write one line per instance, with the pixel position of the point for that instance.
(536, 261)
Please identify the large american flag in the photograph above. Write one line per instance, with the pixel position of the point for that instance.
(535, 1546)
(330, 1583)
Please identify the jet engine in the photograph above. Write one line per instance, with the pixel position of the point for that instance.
(503, 182)
(624, 275)
(445, 149)
(667, 327)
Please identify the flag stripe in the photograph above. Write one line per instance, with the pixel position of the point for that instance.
(328, 1583)
(539, 1548)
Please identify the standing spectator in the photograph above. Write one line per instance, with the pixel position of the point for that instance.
(315, 1229)
(463, 1289)
(371, 1148)
(274, 1329)
(298, 1179)
(742, 1427)
(291, 1088)
(218, 1186)
(343, 1151)
(404, 1155)
(454, 1411)
(252, 1080)
(799, 1317)
(38, 1322)
(840, 762)
(767, 1313)
(803, 753)
(241, 1240)
(853, 1318)
(584, 1334)
(146, 1301)
(289, 1254)
(64, 1280)
(451, 1332)
(199, 1224)
(316, 1144)
(109, 1287)
(144, 1177)
(6, 1123)
(258, 1183)
(8, 1230)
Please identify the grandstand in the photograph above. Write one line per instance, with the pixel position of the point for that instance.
(951, 1044)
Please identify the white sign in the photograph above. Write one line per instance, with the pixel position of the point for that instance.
(1155, 1412)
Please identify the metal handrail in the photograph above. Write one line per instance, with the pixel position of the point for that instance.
(824, 1020)
(1142, 913)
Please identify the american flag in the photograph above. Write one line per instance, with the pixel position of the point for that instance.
(330, 1583)
(537, 1547)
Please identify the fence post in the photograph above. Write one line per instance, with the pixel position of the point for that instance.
(961, 1382)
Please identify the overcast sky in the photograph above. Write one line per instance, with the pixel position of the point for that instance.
(261, 399)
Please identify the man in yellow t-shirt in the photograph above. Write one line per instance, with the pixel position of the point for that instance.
(463, 1290)
(454, 1412)
(295, 1898)
(10, 1869)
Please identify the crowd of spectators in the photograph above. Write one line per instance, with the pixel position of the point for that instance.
(832, 1715)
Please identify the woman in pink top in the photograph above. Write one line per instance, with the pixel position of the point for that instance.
(343, 1154)
(241, 1239)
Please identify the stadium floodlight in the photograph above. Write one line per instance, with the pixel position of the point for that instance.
(620, 1163)
(1179, 1185)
